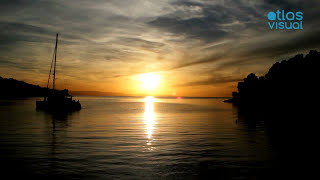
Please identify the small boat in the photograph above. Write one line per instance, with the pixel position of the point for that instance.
(57, 101)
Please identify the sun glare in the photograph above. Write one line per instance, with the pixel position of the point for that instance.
(149, 115)
(149, 81)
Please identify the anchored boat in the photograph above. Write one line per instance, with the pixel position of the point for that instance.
(57, 100)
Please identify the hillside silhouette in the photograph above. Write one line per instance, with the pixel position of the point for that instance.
(285, 99)
(14, 88)
(289, 83)
(10, 87)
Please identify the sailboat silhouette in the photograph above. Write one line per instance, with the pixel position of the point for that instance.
(57, 100)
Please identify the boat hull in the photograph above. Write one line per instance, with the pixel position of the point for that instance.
(58, 106)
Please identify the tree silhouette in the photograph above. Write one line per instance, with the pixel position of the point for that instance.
(288, 83)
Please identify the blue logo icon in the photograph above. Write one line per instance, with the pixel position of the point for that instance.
(272, 16)
(285, 20)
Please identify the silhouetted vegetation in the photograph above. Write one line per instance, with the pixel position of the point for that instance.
(285, 99)
(290, 82)
(13, 88)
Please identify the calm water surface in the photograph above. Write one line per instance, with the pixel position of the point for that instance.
(134, 138)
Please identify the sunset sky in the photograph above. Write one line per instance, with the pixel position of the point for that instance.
(158, 47)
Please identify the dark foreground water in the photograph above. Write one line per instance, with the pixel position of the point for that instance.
(134, 138)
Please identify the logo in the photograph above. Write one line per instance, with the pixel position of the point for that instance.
(285, 20)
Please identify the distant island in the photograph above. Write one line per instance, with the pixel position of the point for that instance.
(290, 83)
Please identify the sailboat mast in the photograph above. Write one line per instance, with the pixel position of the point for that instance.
(55, 61)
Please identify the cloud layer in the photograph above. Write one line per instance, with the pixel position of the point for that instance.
(209, 44)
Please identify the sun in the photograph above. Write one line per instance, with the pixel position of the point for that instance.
(149, 81)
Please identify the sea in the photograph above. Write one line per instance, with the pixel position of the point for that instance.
(134, 138)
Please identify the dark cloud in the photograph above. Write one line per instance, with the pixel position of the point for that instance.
(196, 28)
(290, 5)
(214, 23)
(205, 26)
(273, 50)
(227, 19)
(140, 43)
(12, 32)
(185, 63)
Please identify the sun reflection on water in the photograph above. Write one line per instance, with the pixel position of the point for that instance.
(149, 116)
